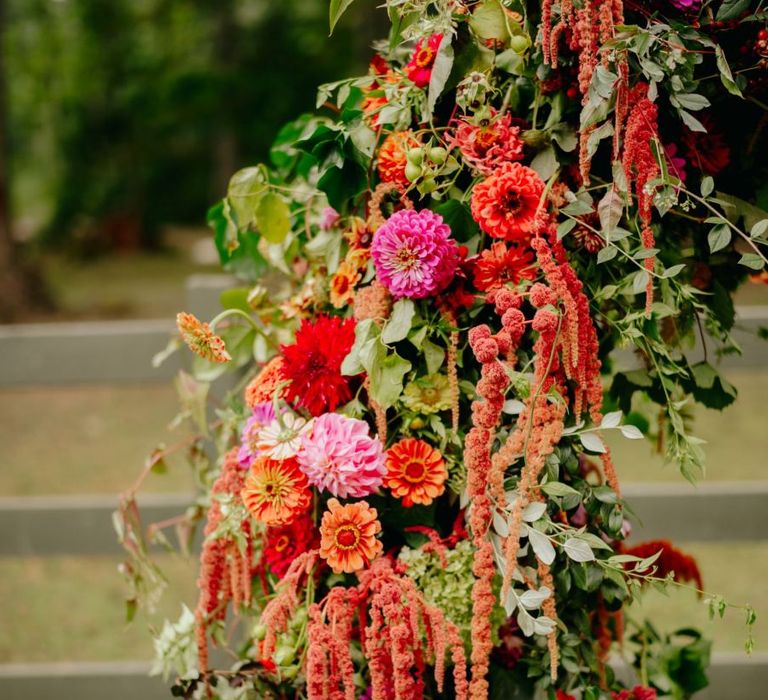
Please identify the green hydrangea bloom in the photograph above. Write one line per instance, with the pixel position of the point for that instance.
(448, 588)
(428, 394)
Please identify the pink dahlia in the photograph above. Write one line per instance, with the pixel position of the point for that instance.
(414, 254)
(340, 456)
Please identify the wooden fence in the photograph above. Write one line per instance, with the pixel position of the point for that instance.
(121, 352)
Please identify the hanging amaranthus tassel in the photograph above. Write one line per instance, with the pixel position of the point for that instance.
(592, 25)
(641, 167)
(452, 367)
(225, 571)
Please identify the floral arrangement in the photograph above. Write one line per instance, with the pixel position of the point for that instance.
(408, 493)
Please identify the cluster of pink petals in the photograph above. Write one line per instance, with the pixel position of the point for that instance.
(341, 457)
(262, 415)
(414, 254)
(489, 143)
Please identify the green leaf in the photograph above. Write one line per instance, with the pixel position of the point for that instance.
(707, 186)
(336, 10)
(692, 101)
(718, 238)
(752, 261)
(759, 229)
(273, 217)
(365, 332)
(387, 379)
(578, 550)
(592, 442)
(565, 227)
(434, 355)
(607, 253)
(731, 9)
(557, 488)
(726, 77)
(245, 190)
(488, 21)
(691, 122)
(399, 322)
(545, 163)
(441, 69)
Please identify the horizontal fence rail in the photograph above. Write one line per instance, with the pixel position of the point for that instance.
(732, 676)
(82, 525)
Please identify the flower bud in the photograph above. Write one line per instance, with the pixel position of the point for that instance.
(438, 155)
(412, 171)
(415, 155)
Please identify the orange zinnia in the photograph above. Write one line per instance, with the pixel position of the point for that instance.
(348, 536)
(416, 472)
(276, 492)
(392, 157)
(343, 284)
(262, 387)
(200, 339)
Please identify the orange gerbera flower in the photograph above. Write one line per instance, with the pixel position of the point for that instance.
(200, 339)
(348, 536)
(392, 157)
(416, 472)
(276, 492)
(262, 387)
(343, 284)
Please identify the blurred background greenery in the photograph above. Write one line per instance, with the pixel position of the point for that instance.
(122, 120)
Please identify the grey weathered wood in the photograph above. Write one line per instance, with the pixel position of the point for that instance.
(733, 676)
(77, 525)
(123, 680)
(708, 512)
(202, 292)
(72, 353)
(73, 525)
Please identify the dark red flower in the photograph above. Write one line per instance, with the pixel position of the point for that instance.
(683, 565)
(639, 692)
(709, 151)
(419, 68)
(511, 642)
(499, 265)
(313, 364)
(283, 544)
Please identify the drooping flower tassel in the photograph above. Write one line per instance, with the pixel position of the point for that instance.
(224, 569)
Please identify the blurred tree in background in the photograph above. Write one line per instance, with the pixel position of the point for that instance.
(125, 115)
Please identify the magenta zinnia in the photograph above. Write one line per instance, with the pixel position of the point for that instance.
(341, 457)
(414, 254)
(313, 364)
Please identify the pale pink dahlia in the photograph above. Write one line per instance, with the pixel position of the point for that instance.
(414, 254)
(340, 456)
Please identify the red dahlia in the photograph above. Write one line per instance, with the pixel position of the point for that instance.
(709, 151)
(313, 364)
(283, 544)
(498, 265)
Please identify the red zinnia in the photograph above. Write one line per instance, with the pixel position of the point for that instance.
(499, 265)
(283, 544)
(506, 204)
(419, 68)
(313, 364)
(707, 150)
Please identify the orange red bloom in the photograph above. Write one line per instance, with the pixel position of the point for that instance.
(416, 472)
(343, 284)
(262, 387)
(348, 536)
(200, 339)
(276, 492)
(506, 204)
(499, 265)
(392, 157)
